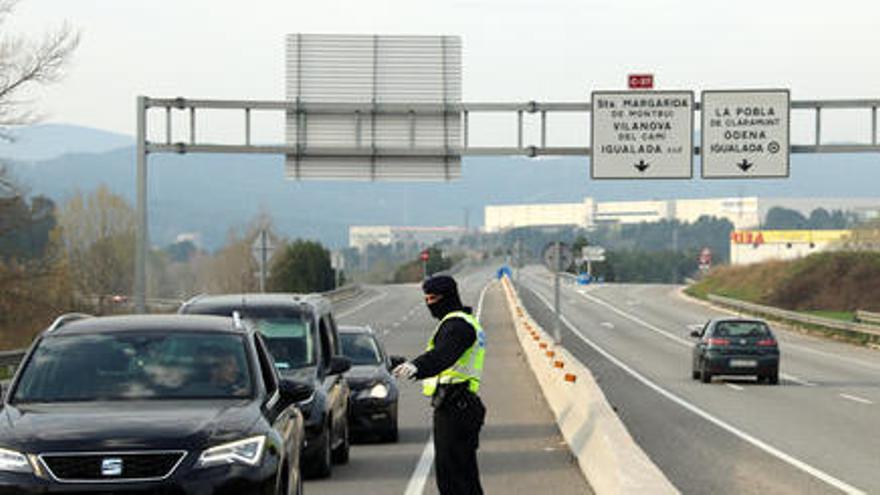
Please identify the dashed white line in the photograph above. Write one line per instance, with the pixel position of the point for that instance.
(607, 324)
(362, 306)
(735, 387)
(395, 324)
(856, 399)
(675, 338)
(803, 466)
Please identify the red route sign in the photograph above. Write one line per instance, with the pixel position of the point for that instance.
(424, 256)
(640, 81)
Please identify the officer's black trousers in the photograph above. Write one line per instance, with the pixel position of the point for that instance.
(456, 439)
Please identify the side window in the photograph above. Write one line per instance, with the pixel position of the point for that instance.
(326, 343)
(267, 366)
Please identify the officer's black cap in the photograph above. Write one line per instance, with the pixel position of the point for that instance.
(440, 285)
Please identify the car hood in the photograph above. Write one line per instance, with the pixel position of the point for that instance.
(364, 375)
(186, 425)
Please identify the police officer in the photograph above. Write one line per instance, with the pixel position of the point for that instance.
(450, 368)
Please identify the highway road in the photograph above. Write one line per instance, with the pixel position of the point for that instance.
(521, 448)
(816, 432)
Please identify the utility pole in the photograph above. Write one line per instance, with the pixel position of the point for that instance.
(557, 330)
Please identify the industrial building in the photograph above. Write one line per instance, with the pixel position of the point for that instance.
(754, 246)
(742, 212)
(362, 236)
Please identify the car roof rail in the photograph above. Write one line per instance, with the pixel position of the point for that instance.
(236, 320)
(192, 300)
(67, 318)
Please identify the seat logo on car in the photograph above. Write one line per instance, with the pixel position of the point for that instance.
(111, 466)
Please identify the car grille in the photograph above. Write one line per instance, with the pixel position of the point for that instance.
(141, 466)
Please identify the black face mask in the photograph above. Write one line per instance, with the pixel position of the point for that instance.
(444, 306)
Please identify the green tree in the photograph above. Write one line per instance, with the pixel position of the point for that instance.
(301, 266)
(779, 218)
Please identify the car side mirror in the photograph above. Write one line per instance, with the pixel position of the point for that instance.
(695, 334)
(396, 361)
(292, 391)
(339, 365)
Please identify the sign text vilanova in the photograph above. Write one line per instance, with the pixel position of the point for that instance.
(745, 133)
(642, 134)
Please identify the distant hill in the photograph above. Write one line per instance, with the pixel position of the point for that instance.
(212, 193)
(47, 141)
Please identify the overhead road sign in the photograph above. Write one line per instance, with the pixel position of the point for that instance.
(642, 135)
(745, 134)
(410, 126)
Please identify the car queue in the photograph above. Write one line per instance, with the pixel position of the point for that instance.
(235, 394)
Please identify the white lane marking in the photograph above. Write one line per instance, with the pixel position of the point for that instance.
(856, 399)
(675, 338)
(607, 324)
(395, 324)
(803, 466)
(362, 306)
(419, 478)
(735, 387)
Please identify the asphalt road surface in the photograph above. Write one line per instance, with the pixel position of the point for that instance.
(521, 449)
(815, 432)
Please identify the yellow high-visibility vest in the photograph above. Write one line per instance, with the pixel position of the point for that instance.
(469, 366)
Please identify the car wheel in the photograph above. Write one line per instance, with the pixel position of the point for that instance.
(341, 453)
(705, 376)
(391, 435)
(322, 465)
(773, 377)
(695, 374)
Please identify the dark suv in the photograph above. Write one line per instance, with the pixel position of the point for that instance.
(303, 340)
(150, 404)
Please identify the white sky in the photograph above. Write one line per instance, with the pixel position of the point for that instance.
(515, 50)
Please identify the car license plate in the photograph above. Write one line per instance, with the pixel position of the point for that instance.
(743, 363)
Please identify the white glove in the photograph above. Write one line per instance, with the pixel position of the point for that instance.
(405, 370)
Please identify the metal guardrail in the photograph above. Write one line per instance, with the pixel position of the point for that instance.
(868, 316)
(854, 328)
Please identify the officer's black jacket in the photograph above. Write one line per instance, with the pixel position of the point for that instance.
(454, 337)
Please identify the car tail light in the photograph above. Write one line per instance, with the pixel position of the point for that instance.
(767, 343)
(717, 341)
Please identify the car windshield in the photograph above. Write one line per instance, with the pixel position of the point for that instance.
(136, 366)
(741, 329)
(360, 348)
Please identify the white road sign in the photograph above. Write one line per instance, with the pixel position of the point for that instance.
(642, 134)
(745, 134)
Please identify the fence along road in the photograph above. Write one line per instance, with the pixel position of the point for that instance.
(814, 433)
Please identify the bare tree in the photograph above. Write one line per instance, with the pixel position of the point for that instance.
(26, 63)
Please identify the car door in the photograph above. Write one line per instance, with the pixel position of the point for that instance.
(332, 384)
(283, 418)
(700, 346)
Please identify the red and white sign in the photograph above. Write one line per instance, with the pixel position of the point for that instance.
(640, 81)
(425, 255)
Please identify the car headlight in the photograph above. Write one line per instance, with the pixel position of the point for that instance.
(248, 452)
(377, 391)
(14, 462)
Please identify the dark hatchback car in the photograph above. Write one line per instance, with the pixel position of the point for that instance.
(303, 339)
(735, 346)
(374, 394)
(150, 404)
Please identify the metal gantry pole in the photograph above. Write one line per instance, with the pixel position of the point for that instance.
(142, 238)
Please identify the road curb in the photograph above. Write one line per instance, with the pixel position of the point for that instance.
(607, 454)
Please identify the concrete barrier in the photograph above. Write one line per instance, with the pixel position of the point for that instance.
(608, 456)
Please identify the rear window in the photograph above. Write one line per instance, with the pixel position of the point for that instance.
(136, 366)
(741, 329)
(286, 330)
